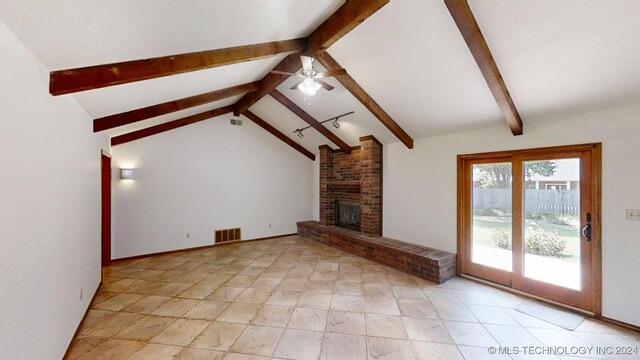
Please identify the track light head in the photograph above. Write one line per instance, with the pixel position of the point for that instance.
(336, 124)
(300, 134)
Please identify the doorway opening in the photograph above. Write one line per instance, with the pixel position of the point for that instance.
(106, 208)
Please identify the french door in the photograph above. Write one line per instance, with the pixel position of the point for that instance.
(530, 220)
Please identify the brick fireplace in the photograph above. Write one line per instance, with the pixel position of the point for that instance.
(351, 186)
(351, 215)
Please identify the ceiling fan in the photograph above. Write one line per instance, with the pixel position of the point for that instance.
(311, 83)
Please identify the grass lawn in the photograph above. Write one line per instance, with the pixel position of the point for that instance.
(483, 225)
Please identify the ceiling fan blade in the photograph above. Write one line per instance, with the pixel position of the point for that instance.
(307, 62)
(296, 85)
(324, 85)
(283, 73)
(329, 73)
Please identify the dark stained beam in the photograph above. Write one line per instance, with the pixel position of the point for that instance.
(289, 64)
(275, 132)
(130, 117)
(345, 19)
(309, 119)
(358, 92)
(94, 77)
(466, 22)
(153, 130)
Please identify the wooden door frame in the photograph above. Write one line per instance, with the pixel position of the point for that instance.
(105, 209)
(464, 217)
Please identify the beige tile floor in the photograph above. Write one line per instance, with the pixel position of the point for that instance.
(292, 298)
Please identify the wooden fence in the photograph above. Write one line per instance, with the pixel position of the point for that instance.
(565, 202)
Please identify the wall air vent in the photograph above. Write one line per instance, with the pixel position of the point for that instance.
(236, 122)
(227, 235)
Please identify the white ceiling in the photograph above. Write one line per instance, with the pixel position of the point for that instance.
(555, 55)
(76, 33)
(558, 55)
(411, 58)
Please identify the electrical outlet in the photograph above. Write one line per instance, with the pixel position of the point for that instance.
(633, 215)
(188, 235)
(81, 294)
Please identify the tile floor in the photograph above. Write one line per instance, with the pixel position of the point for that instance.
(292, 298)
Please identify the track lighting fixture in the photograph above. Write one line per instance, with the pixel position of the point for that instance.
(334, 120)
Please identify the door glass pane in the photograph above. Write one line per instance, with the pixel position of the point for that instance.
(552, 221)
(492, 235)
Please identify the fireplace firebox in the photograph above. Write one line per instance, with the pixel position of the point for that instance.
(348, 215)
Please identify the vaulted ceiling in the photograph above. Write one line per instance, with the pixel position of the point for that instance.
(554, 55)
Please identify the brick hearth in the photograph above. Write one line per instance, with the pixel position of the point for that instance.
(426, 263)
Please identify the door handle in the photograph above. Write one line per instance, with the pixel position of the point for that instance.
(586, 232)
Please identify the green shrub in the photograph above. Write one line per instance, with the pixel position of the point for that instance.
(492, 212)
(564, 220)
(545, 243)
(555, 219)
(538, 241)
(502, 237)
(533, 216)
(485, 212)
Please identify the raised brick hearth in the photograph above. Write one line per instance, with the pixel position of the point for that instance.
(426, 263)
(354, 177)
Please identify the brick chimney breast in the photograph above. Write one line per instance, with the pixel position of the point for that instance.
(353, 178)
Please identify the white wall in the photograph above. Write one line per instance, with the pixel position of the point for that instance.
(420, 189)
(203, 177)
(49, 209)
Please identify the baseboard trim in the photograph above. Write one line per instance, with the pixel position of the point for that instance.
(621, 324)
(135, 257)
(84, 317)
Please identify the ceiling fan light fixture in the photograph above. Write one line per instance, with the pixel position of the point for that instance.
(309, 87)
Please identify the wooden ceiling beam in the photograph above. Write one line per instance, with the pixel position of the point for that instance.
(157, 129)
(341, 22)
(275, 132)
(346, 18)
(289, 64)
(309, 119)
(94, 77)
(466, 22)
(358, 92)
(133, 116)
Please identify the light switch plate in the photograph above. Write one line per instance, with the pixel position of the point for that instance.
(633, 215)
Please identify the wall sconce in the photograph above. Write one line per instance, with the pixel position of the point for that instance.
(126, 174)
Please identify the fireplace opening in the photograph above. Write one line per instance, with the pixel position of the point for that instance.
(348, 215)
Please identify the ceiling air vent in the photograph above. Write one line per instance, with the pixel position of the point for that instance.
(236, 122)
